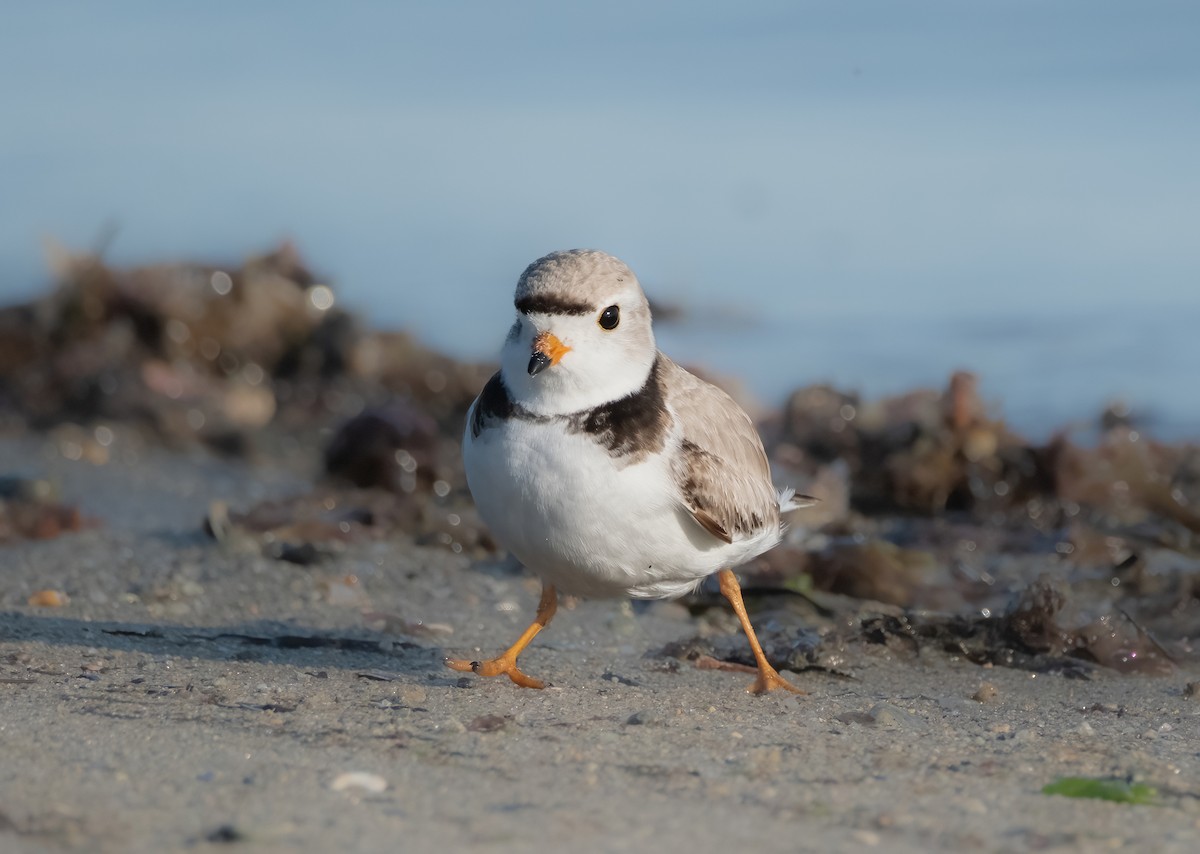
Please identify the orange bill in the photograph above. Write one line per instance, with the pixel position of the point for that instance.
(547, 350)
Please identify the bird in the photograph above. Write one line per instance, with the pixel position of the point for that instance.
(607, 469)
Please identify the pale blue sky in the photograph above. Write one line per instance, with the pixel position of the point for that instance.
(880, 191)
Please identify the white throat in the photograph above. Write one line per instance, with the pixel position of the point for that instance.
(594, 372)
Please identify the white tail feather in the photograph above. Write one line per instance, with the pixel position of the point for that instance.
(789, 500)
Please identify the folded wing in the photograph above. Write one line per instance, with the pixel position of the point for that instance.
(722, 473)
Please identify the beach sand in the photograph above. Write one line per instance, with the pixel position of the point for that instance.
(195, 695)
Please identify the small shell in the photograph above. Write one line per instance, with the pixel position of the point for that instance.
(49, 599)
(372, 783)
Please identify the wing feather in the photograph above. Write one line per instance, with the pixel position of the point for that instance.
(721, 471)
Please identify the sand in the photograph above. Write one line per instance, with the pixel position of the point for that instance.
(195, 696)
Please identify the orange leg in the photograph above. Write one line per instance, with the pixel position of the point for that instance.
(768, 677)
(507, 663)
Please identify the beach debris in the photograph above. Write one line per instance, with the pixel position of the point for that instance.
(923, 452)
(487, 723)
(250, 357)
(798, 650)
(876, 570)
(301, 554)
(1042, 631)
(393, 447)
(884, 715)
(933, 453)
(704, 661)
(182, 348)
(394, 624)
(343, 590)
(226, 834)
(313, 527)
(1129, 479)
(306, 528)
(359, 780)
(48, 599)
(379, 675)
(30, 510)
(1042, 623)
(986, 693)
(38, 520)
(935, 522)
(646, 717)
(1104, 789)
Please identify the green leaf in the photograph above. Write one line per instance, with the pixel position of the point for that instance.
(802, 584)
(1104, 789)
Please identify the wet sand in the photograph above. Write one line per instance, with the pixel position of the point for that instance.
(193, 695)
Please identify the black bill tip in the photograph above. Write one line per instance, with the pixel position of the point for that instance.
(538, 362)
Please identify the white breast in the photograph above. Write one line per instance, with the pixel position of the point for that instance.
(591, 524)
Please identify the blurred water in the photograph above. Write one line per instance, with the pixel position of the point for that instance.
(872, 194)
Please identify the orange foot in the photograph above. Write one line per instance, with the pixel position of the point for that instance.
(768, 677)
(507, 663)
(770, 680)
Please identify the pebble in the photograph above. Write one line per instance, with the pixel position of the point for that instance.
(453, 725)
(372, 783)
(987, 693)
(1192, 690)
(887, 715)
(413, 694)
(866, 838)
(855, 718)
(48, 599)
(974, 806)
(645, 716)
(487, 723)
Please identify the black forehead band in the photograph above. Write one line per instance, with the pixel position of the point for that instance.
(545, 304)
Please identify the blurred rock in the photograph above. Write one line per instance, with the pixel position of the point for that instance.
(1044, 630)
(820, 421)
(441, 386)
(393, 447)
(934, 516)
(29, 510)
(306, 529)
(216, 353)
(1129, 478)
(876, 570)
(987, 693)
(921, 452)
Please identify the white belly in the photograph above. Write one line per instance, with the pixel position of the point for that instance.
(588, 523)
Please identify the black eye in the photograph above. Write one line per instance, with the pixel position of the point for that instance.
(610, 317)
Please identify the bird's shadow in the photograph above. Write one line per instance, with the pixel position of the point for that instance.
(264, 641)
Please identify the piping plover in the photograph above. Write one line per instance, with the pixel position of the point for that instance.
(606, 468)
